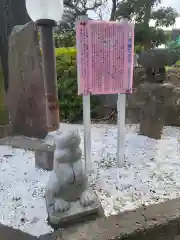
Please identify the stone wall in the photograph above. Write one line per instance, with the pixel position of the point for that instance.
(155, 222)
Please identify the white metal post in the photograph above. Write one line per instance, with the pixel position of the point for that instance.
(121, 112)
(86, 118)
(121, 108)
(87, 132)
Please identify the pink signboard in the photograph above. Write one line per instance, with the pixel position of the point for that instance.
(105, 57)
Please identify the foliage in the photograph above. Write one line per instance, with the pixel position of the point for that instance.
(164, 16)
(71, 108)
(79, 7)
(142, 12)
(138, 49)
(65, 36)
(70, 102)
(157, 35)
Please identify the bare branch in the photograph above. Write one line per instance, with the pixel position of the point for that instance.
(82, 6)
(101, 10)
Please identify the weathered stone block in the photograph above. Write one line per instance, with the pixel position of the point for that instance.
(26, 94)
(154, 109)
(44, 159)
(5, 130)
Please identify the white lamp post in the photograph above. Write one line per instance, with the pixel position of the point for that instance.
(46, 14)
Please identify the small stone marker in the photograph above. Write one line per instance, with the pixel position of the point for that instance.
(154, 110)
(44, 159)
(68, 197)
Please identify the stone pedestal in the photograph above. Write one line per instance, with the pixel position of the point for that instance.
(154, 110)
(68, 197)
(74, 214)
(152, 119)
(5, 130)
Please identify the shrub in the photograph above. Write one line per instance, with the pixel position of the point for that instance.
(138, 49)
(70, 102)
(71, 108)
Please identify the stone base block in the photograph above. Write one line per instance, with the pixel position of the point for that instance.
(44, 159)
(151, 128)
(75, 214)
(5, 130)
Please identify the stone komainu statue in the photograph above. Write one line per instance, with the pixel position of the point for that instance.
(68, 182)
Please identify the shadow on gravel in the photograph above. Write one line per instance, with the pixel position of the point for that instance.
(9, 233)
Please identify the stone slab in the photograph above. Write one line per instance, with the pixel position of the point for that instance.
(5, 130)
(76, 213)
(157, 222)
(43, 152)
(26, 143)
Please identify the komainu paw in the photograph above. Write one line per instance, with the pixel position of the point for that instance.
(61, 205)
(87, 198)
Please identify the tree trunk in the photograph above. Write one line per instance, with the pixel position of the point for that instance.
(113, 10)
(147, 16)
(12, 13)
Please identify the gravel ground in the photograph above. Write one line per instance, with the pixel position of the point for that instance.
(151, 174)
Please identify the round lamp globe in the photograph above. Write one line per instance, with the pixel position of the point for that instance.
(45, 9)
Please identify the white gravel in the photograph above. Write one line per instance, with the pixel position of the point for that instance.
(151, 174)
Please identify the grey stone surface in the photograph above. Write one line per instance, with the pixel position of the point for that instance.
(26, 94)
(5, 130)
(76, 212)
(154, 113)
(67, 193)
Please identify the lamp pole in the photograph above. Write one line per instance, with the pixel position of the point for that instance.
(49, 69)
(46, 14)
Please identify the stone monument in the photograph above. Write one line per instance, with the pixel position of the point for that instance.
(68, 197)
(26, 93)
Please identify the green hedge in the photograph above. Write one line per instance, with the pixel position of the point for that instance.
(70, 102)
